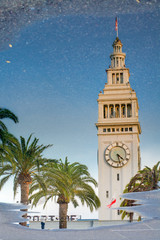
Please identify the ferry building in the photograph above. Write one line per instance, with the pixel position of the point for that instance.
(118, 134)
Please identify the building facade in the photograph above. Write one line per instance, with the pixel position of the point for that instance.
(118, 134)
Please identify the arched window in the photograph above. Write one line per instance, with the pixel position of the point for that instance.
(117, 62)
(123, 110)
(113, 78)
(117, 77)
(105, 111)
(121, 77)
(111, 111)
(129, 110)
(117, 111)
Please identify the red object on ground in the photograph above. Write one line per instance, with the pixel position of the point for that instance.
(114, 201)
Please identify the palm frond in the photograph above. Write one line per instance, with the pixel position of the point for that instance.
(15, 185)
(3, 127)
(6, 113)
(4, 180)
(66, 181)
(36, 197)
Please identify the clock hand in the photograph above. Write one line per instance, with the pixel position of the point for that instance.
(119, 157)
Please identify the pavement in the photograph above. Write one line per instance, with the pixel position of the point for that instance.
(145, 230)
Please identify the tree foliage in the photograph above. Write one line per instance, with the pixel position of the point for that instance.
(145, 180)
(21, 159)
(66, 182)
(6, 114)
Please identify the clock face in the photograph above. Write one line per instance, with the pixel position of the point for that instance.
(117, 154)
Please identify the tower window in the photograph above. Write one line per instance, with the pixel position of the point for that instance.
(130, 129)
(113, 78)
(126, 129)
(107, 194)
(118, 212)
(111, 110)
(113, 129)
(117, 77)
(117, 62)
(117, 176)
(123, 110)
(129, 110)
(104, 129)
(122, 129)
(117, 110)
(121, 77)
(108, 129)
(105, 111)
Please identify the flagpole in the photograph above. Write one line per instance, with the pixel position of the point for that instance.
(116, 25)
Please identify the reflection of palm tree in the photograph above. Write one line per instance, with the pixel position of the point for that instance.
(145, 180)
(151, 177)
(22, 160)
(5, 113)
(66, 181)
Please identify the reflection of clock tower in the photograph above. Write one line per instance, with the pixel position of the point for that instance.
(118, 134)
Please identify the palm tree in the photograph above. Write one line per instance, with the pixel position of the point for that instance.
(5, 113)
(151, 177)
(22, 159)
(66, 182)
(145, 180)
(133, 186)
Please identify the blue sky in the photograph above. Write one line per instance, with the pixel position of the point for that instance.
(58, 68)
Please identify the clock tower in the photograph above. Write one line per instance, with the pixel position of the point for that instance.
(118, 134)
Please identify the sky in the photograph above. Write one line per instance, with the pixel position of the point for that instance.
(51, 76)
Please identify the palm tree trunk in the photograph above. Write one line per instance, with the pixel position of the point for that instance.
(63, 208)
(131, 216)
(24, 198)
(24, 192)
